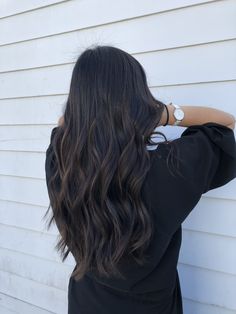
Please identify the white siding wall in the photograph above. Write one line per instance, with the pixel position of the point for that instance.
(188, 49)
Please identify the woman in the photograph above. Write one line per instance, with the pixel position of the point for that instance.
(117, 197)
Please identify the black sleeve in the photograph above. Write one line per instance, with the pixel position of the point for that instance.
(208, 155)
(207, 159)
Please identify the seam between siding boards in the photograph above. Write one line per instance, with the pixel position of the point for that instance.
(115, 21)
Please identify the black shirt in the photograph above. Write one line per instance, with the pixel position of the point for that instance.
(207, 160)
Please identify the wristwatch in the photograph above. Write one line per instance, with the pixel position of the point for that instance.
(178, 114)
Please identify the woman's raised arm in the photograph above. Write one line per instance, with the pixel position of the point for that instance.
(199, 115)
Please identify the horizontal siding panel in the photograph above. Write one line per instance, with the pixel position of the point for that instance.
(47, 109)
(193, 307)
(14, 214)
(33, 138)
(4, 310)
(23, 26)
(35, 110)
(212, 94)
(38, 244)
(210, 251)
(213, 215)
(11, 7)
(42, 271)
(208, 66)
(168, 29)
(207, 286)
(24, 190)
(48, 298)
(20, 307)
(37, 82)
(22, 164)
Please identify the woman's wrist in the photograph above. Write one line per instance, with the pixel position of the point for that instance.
(167, 115)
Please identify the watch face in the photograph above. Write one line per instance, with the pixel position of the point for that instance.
(179, 114)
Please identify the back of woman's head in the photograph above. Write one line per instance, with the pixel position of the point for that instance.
(99, 161)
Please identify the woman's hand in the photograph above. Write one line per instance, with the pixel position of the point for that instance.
(61, 121)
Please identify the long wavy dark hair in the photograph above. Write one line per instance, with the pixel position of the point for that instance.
(98, 161)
